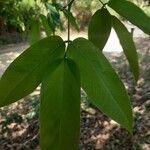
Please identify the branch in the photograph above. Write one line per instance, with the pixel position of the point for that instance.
(69, 9)
(69, 4)
(104, 4)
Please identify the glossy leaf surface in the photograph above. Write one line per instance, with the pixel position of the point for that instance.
(128, 46)
(100, 28)
(26, 72)
(100, 82)
(60, 107)
(132, 13)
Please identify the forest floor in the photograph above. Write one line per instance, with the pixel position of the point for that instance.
(19, 125)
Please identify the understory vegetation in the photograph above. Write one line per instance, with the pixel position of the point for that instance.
(16, 15)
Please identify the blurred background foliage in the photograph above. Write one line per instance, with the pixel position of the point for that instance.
(16, 15)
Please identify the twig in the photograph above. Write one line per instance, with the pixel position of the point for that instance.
(69, 3)
(67, 41)
(104, 4)
(69, 9)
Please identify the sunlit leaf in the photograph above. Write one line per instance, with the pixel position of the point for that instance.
(99, 28)
(60, 107)
(100, 82)
(132, 13)
(26, 72)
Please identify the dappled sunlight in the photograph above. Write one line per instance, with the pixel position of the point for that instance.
(16, 126)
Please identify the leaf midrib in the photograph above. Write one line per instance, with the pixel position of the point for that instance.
(61, 108)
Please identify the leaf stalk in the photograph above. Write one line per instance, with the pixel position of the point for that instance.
(69, 9)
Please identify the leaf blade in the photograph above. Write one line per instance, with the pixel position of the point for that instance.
(71, 18)
(60, 90)
(128, 46)
(132, 13)
(100, 28)
(100, 82)
(25, 73)
(53, 17)
(34, 34)
(46, 25)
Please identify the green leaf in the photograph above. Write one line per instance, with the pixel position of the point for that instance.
(34, 34)
(99, 28)
(60, 107)
(128, 46)
(100, 82)
(46, 25)
(53, 17)
(26, 72)
(51, 8)
(71, 18)
(132, 13)
(51, 23)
